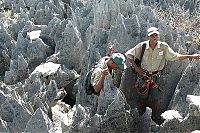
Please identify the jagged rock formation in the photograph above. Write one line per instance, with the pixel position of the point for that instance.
(188, 85)
(47, 46)
(44, 125)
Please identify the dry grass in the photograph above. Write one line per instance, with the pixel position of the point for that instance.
(181, 20)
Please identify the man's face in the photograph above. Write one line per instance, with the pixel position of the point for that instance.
(154, 38)
(112, 65)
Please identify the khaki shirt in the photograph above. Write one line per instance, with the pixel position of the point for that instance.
(96, 74)
(153, 60)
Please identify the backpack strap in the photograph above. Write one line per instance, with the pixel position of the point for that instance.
(142, 53)
(139, 61)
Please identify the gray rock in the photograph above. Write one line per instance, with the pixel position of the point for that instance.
(126, 34)
(18, 71)
(32, 85)
(188, 85)
(165, 32)
(69, 46)
(2, 97)
(5, 50)
(29, 3)
(99, 39)
(107, 98)
(30, 28)
(51, 71)
(7, 4)
(194, 105)
(172, 118)
(104, 17)
(39, 122)
(37, 51)
(10, 76)
(37, 103)
(53, 28)
(111, 104)
(45, 11)
(15, 114)
(80, 117)
(20, 47)
(86, 19)
(190, 123)
(111, 108)
(183, 124)
(5, 88)
(51, 93)
(34, 51)
(4, 126)
(19, 25)
(127, 87)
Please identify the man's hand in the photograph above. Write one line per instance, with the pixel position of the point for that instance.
(196, 56)
(140, 71)
(105, 72)
(109, 49)
(99, 86)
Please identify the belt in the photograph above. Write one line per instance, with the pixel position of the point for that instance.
(150, 74)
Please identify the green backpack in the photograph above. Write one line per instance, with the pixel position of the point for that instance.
(88, 86)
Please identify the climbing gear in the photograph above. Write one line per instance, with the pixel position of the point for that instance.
(147, 85)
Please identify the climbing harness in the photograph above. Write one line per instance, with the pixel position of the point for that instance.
(147, 85)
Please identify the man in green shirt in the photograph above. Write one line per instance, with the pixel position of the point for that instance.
(153, 61)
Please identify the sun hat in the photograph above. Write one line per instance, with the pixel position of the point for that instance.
(152, 30)
(119, 60)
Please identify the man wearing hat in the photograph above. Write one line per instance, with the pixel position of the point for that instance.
(105, 66)
(155, 53)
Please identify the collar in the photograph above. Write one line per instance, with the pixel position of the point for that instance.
(157, 46)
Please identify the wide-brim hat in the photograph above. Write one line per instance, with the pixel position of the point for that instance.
(119, 60)
(152, 30)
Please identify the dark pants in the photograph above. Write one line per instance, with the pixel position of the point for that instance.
(149, 99)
